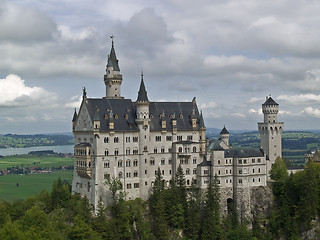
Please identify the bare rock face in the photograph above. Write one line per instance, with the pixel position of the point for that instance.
(261, 200)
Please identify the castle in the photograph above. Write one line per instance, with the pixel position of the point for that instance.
(129, 140)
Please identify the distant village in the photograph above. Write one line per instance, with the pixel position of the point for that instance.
(35, 169)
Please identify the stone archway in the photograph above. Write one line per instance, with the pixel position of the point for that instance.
(230, 205)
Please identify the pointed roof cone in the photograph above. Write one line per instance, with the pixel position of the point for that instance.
(193, 114)
(112, 59)
(142, 94)
(201, 123)
(75, 115)
(269, 101)
(97, 115)
(224, 131)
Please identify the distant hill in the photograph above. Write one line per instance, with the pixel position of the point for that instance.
(21, 141)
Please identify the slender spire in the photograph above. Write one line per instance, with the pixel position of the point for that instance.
(201, 123)
(142, 94)
(75, 115)
(112, 58)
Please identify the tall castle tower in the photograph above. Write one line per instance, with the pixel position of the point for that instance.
(143, 122)
(270, 131)
(113, 78)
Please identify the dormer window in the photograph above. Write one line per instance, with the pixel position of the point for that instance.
(180, 115)
(116, 116)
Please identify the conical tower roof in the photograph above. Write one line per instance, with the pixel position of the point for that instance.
(75, 115)
(201, 123)
(112, 59)
(224, 131)
(142, 94)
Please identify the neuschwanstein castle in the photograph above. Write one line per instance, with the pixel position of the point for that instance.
(129, 140)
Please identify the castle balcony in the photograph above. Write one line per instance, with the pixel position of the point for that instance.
(83, 164)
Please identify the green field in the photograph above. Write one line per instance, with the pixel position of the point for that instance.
(34, 161)
(29, 184)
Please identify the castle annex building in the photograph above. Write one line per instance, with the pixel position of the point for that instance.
(129, 140)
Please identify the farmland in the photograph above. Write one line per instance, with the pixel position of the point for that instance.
(17, 187)
(20, 186)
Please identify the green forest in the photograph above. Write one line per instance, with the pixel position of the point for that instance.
(171, 213)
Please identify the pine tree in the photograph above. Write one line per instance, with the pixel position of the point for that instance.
(211, 226)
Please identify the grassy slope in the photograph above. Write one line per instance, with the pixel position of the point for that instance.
(29, 184)
(28, 160)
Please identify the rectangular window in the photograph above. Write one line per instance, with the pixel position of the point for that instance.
(179, 138)
(158, 138)
(239, 161)
(169, 138)
(259, 160)
(129, 186)
(253, 160)
(127, 139)
(190, 138)
(135, 139)
(136, 185)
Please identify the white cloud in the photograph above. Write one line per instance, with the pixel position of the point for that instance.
(238, 115)
(253, 111)
(208, 105)
(83, 34)
(74, 102)
(300, 99)
(14, 92)
(256, 99)
(313, 112)
(23, 24)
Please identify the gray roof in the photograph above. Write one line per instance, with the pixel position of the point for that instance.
(112, 59)
(270, 101)
(74, 116)
(243, 153)
(181, 111)
(224, 131)
(205, 163)
(119, 107)
(124, 114)
(142, 94)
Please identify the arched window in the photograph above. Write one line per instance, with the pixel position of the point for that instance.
(135, 163)
(194, 171)
(120, 163)
(194, 149)
(120, 174)
(106, 140)
(128, 151)
(180, 149)
(106, 152)
(116, 152)
(107, 164)
(187, 171)
(135, 174)
(128, 163)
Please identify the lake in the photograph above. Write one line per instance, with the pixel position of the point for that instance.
(19, 151)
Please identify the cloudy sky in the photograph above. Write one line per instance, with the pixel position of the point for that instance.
(230, 55)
